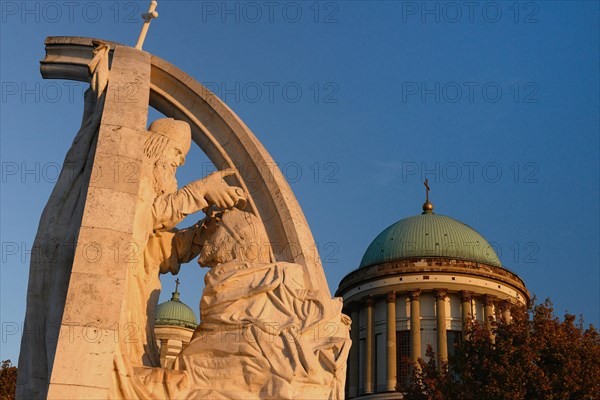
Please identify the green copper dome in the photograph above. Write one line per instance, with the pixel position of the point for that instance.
(174, 312)
(429, 235)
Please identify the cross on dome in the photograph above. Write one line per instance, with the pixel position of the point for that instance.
(427, 206)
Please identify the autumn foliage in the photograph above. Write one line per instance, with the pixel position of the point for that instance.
(535, 356)
(8, 380)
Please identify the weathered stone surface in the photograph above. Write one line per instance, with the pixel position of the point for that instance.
(116, 172)
(77, 392)
(109, 209)
(86, 293)
(125, 142)
(96, 283)
(104, 252)
(91, 343)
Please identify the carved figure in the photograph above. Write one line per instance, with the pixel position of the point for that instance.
(262, 333)
(167, 248)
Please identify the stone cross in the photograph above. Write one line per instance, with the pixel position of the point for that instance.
(148, 17)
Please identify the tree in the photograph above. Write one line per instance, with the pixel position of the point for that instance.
(535, 356)
(8, 380)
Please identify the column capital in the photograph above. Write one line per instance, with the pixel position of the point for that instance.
(391, 297)
(370, 301)
(415, 295)
(488, 300)
(466, 296)
(440, 294)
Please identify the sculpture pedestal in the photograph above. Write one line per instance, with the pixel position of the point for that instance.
(89, 333)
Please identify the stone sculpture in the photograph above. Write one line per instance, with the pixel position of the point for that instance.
(269, 329)
(263, 334)
(166, 147)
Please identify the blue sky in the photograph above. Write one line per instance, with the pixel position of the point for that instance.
(497, 104)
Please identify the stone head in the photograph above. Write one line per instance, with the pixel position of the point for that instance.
(178, 132)
(167, 144)
(234, 235)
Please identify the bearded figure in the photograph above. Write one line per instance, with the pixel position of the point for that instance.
(263, 334)
(163, 206)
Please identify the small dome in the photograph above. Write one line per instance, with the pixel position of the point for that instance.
(175, 313)
(429, 235)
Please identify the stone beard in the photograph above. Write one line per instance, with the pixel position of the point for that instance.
(165, 180)
(164, 177)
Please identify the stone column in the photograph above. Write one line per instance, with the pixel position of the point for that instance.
(164, 349)
(488, 311)
(442, 342)
(505, 308)
(488, 314)
(465, 298)
(353, 365)
(415, 325)
(370, 342)
(392, 376)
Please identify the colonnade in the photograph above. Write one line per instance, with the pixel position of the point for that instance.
(354, 364)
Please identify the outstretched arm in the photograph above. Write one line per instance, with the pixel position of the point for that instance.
(178, 247)
(170, 209)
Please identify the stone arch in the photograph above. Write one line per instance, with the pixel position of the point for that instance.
(223, 137)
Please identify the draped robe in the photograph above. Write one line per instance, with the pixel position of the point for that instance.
(262, 335)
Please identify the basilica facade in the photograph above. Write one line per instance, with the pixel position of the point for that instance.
(419, 283)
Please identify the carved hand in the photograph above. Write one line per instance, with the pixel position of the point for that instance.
(219, 193)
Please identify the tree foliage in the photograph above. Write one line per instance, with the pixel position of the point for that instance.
(535, 356)
(8, 380)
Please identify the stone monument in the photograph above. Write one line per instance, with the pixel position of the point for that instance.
(269, 328)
